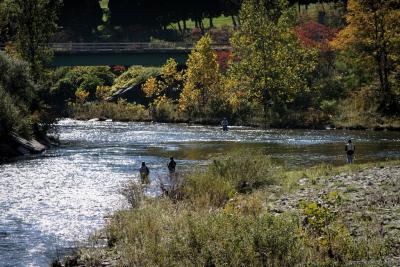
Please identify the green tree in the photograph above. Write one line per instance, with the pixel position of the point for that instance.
(17, 95)
(373, 34)
(35, 24)
(202, 88)
(269, 61)
(7, 23)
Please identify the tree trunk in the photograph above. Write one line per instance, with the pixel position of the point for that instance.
(179, 26)
(201, 25)
(211, 23)
(388, 104)
(234, 21)
(265, 115)
(184, 25)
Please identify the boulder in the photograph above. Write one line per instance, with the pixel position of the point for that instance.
(26, 147)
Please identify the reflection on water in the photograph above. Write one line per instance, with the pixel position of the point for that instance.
(52, 203)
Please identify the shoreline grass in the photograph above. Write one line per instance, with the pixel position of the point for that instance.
(168, 113)
(218, 217)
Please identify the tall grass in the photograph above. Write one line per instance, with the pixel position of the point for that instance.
(240, 172)
(219, 219)
(165, 234)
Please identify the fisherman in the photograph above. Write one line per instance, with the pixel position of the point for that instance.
(171, 165)
(144, 173)
(224, 124)
(350, 148)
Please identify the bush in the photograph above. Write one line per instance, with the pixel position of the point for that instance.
(17, 98)
(120, 111)
(164, 234)
(66, 81)
(163, 109)
(89, 84)
(12, 118)
(239, 172)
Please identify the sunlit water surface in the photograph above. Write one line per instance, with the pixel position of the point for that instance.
(52, 203)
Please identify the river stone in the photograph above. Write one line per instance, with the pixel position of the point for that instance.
(26, 147)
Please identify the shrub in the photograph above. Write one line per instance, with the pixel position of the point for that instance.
(164, 234)
(89, 84)
(163, 109)
(81, 95)
(238, 172)
(67, 80)
(103, 92)
(120, 111)
(12, 118)
(17, 97)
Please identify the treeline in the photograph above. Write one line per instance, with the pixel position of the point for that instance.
(283, 71)
(81, 20)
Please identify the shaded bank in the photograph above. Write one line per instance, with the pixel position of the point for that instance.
(15, 146)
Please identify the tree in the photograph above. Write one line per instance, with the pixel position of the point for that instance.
(202, 90)
(17, 95)
(35, 24)
(373, 33)
(170, 78)
(269, 61)
(7, 21)
(81, 16)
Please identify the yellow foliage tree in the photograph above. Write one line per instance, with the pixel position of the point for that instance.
(202, 89)
(170, 75)
(151, 87)
(373, 32)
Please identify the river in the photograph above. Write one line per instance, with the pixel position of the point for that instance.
(52, 203)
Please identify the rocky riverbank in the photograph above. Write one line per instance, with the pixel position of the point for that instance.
(367, 200)
(14, 146)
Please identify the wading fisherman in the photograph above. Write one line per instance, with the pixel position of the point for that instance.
(224, 124)
(144, 173)
(171, 165)
(350, 148)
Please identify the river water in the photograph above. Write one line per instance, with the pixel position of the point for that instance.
(54, 202)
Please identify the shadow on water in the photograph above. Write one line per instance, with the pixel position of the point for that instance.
(48, 203)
